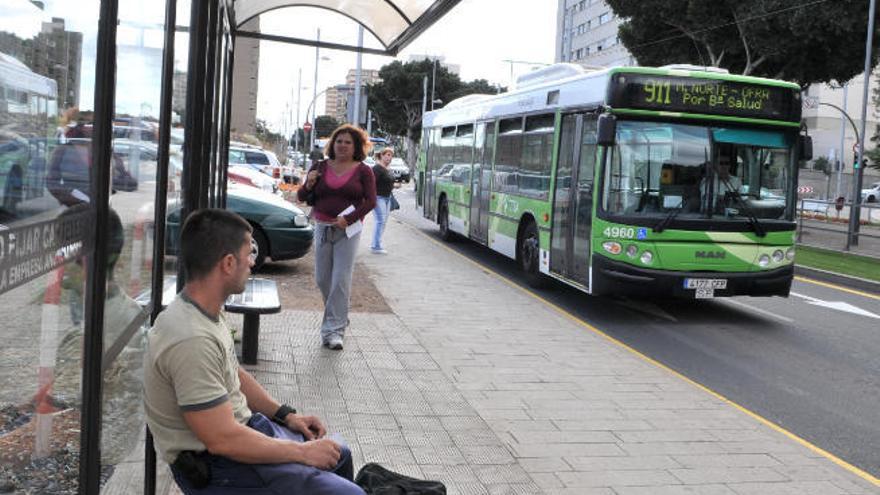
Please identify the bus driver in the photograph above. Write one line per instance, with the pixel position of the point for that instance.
(721, 181)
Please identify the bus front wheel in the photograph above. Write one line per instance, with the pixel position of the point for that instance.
(443, 220)
(529, 256)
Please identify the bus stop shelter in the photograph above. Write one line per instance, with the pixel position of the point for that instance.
(115, 215)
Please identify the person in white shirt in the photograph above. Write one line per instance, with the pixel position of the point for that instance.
(721, 180)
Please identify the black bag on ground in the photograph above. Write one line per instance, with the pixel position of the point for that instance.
(376, 480)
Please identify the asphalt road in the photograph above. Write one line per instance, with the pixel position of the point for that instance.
(809, 363)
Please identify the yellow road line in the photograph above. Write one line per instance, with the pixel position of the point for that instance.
(837, 287)
(849, 467)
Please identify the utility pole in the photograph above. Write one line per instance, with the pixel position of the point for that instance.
(433, 81)
(298, 94)
(424, 94)
(841, 157)
(859, 169)
(315, 92)
(357, 80)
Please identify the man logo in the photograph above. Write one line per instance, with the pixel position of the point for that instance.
(716, 255)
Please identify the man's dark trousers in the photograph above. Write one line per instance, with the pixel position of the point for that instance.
(229, 477)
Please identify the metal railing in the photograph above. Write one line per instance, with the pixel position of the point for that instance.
(832, 218)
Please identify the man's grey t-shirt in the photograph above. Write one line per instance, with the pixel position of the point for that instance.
(189, 365)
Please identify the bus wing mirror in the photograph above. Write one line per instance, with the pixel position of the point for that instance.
(806, 148)
(606, 130)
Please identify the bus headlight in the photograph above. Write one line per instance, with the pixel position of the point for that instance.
(612, 247)
(632, 250)
(647, 257)
(778, 256)
(763, 261)
(789, 255)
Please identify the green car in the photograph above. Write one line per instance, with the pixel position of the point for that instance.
(282, 231)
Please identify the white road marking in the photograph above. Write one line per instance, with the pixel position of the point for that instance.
(838, 305)
(757, 310)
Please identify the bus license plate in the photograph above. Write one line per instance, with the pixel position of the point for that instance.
(704, 294)
(705, 283)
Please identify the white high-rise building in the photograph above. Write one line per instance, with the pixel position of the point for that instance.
(586, 33)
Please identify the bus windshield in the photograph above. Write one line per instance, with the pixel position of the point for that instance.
(666, 170)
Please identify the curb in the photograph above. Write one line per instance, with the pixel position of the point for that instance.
(837, 278)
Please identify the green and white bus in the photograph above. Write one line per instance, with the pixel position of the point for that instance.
(676, 181)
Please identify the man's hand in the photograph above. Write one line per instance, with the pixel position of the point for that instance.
(310, 426)
(322, 454)
(341, 222)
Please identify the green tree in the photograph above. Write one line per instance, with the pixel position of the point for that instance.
(822, 163)
(396, 101)
(807, 42)
(325, 125)
(265, 135)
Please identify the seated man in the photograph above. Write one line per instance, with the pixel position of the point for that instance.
(218, 428)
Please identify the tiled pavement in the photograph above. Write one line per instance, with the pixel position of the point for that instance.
(476, 383)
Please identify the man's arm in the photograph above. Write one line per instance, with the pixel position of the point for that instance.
(222, 435)
(259, 400)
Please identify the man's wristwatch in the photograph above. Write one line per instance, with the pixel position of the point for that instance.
(281, 414)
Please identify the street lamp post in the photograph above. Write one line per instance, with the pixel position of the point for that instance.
(308, 110)
(853, 235)
(842, 141)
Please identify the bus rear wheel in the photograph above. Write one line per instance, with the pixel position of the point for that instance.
(443, 220)
(529, 256)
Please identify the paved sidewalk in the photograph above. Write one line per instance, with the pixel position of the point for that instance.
(474, 382)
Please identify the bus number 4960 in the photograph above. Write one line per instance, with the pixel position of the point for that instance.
(620, 232)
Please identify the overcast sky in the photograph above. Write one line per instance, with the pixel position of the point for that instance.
(477, 35)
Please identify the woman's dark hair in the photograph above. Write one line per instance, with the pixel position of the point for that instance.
(362, 142)
(207, 236)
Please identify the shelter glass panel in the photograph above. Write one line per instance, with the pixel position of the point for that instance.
(47, 86)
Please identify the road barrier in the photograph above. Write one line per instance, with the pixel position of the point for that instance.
(50, 325)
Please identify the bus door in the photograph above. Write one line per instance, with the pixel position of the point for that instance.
(427, 186)
(573, 199)
(482, 174)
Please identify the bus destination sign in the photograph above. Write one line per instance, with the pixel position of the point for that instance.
(705, 96)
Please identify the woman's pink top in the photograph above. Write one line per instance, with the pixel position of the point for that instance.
(334, 193)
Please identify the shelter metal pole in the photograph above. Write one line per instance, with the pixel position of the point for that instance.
(96, 261)
(160, 199)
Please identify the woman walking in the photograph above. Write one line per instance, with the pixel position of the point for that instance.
(342, 190)
(384, 188)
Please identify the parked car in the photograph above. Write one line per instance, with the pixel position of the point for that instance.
(399, 170)
(872, 193)
(282, 231)
(256, 158)
(250, 177)
(127, 148)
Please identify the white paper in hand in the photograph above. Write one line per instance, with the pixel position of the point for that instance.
(76, 193)
(355, 228)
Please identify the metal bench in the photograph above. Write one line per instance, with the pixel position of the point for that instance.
(260, 297)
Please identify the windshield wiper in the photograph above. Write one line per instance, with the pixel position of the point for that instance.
(759, 229)
(660, 227)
